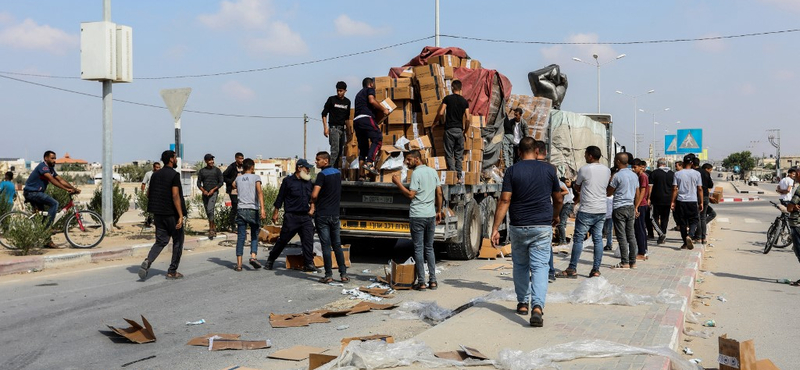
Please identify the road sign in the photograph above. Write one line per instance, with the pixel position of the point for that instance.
(175, 99)
(690, 141)
(670, 144)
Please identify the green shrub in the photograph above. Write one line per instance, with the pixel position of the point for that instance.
(270, 194)
(140, 200)
(28, 235)
(222, 218)
(122, 202)
(197, 202)
(59, 194)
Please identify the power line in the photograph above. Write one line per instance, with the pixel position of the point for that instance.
(149, 105)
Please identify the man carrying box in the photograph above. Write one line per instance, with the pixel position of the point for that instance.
(515, 129)
(338, 109)
(368, 134)
(455, 110)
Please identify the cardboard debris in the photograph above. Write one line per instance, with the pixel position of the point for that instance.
(316, 360)
(294, 320)
(461, 355)
(296, 353)
(269, 234)
(735, 355)
(497, 266)
(381, 337)
(203, 341)
(238, 368)
(378, 292)
(219, 342)
(136, 333)
(296, 262)
(401, 276)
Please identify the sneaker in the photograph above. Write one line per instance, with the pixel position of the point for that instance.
(689, 243)
(661, 239)
(310, 268)
(143, 269)
(551, 278)
(536, 317)
(269, 265)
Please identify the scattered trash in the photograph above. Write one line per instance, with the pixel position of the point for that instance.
(705, 334)
(783, 281)
(322, 316)
(377, 354)
(463, 354)
(691, 318)
(336, 284)
(378, 292)
(688, 351)
(137, 361)
(198, 322)
(700, 280)
(365, 271)
(296, 353)
(696, 361)
(505, 273)
(411, 310)
(721, 299)
(136, 333)
(377, 337)
(342, 327)
(698, 296)
(221, 342)
(358, 294)
(710, 323)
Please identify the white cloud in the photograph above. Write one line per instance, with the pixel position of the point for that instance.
(559, 53)
(347, 26)
(238, 91)
(791, 5)
(32, 36)
(710, 46)
(242, 13)
(280, 39)
(6, 18)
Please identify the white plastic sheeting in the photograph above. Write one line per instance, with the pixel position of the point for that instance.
(411, 310)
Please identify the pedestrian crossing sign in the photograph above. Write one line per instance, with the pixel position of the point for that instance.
(690, 141)
(670, 144)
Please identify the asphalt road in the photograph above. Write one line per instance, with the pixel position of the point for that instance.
(58, 320)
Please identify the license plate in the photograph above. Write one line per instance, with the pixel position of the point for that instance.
(377, 199)
(400, 227)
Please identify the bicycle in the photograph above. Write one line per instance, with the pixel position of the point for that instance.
(779, 234)
(83, 228)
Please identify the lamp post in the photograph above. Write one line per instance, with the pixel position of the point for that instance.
(654, 130)
(635, 146)
(598, 65)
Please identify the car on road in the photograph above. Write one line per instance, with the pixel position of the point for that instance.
(753, 181)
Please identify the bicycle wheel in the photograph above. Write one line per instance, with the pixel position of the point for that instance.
(784, 237)
(772, 235)
(10, 222)
(85, 229)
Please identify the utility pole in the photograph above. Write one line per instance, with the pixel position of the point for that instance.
(108, 164)
(436, 38)
(305, 134)
(775, 140)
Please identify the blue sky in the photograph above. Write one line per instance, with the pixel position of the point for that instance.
(734, 89)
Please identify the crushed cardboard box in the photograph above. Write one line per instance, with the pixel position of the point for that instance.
(296, 353)
(735, 355)
(221, 342)
(381, 337)
(296, 261)
(462, 354)
(269, 234)
(136, 333)
(378, 292)
(316, 360)
(294, 320)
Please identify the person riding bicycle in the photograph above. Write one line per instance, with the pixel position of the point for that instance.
(785, 187)
(36, 185)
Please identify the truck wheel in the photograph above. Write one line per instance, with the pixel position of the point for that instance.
(488, 208)
(471, 230)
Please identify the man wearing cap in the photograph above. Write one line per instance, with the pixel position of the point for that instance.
(334, 114)
(295, 199)
(209, 180)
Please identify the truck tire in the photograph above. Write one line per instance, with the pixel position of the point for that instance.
(488, 208)
(471, 232)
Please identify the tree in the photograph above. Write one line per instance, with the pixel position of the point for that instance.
(73, 167)
(199, 165)
(133, 173)
(744, 160)
(770, 166)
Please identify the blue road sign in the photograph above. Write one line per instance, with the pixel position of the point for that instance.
(670, 144)
(690, 141)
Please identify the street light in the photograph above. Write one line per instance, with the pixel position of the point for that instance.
(635, 146)
(598, 64)
(654, 130)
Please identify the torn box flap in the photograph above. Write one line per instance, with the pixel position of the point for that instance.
(222, 344)
(474, 353)
(136, 333)
(296, 353)
(203, 341)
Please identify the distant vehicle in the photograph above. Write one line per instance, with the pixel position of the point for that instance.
(719, 175)
(753, 181)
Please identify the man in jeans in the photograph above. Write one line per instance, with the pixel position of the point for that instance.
(687, 195)
(642, 208)
(623, 187)
(295, 198)
(325, 199)
(793, 206)
(36, 185)
(701, 234)
(660, 197)
(229, 175)
(251, 206)
(532, 198)
(589, 189)
(209, 180)
(337, 107)
(425, 212)
(455, 111)
(165, 201)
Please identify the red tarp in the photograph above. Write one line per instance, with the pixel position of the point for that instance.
(476, 83)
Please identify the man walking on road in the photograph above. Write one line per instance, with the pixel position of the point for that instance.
(514, 130)
(325, 200)
(623, 187)
(250, 212)
(786, 186)
(424, 213)
(661, 181)
(209, 180)
(687, 193)
(455, 111)
(532, 197)
(295, 198)
(145, 183)
(229, 176)
(642, 208)
(708, 186)
(166, 203)
(368, 134)
(590, 192)
(334, 115)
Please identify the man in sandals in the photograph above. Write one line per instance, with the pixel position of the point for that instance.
(589, 190)
(793, 206)
(368, 134)
(251, 206)
(209, 180)
(165, 201)
(529, 186)
(623, 187)
(325, 200)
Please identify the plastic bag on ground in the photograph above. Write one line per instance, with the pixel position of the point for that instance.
(545, 358)
(691, 318)
(705, 334)
(411, 310)
(377, 354)
(506, 294)
(599, 291)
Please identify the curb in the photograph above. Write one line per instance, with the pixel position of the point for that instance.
(745, 191)
(753, 199)
(41, 263)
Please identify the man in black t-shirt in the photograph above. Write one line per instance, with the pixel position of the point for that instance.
(661, 180)
(455, 111)
(166, 203)
(334, 115)
(368, 134)
(325, 200)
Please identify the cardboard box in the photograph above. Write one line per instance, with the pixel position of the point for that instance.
(388, 82)
(388, 104)
(395, 93)
(387, 151)
(381, 337)
(468, 144)
(136, 333)
(449, 73)
(316, 360)
(488, 250)
(432, 94)
(447, 177)
(470, 63)
(422, 142)
(471, 178)
(477, 143)
(403, 113)
(716, 196)
(735, 355)
(477, 121)
(296, 262)
(430, 82)
(428, 70)
(475, 155)
(296, 353)
(401, 276)
(437, 163)
(269, 234)
(385, 176)
(429, 111)
(446, 60)
(408, 72)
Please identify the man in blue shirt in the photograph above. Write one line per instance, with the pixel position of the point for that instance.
(532, 198)
(623, 187)
(295, 199)
(36, 185)
(325, 199)
(7, 193)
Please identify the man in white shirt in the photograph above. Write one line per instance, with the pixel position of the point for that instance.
(785, 187)
(515, 129)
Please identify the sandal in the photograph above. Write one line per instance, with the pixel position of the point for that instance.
(568, 274)
(633, 266)
(254, 263)
(420, 287)
(345, 279)
(433, 285)
(326, 280)
(795, 283)
(621, 266)
(237, 268)
(594, 273)
(522, 308)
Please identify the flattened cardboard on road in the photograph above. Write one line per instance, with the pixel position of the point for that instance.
(203, 341)
(378, 292)
(239, 368)
(461, 355)
(136, 333)
(296, 353)
(294, 320)
(220, 342)
(381, 337)
(496, 266)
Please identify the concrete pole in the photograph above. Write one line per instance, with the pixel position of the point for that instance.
(778, 162)
(108, 164)
(178, 151)
(437, 24)
(598, 87)
(305, 135)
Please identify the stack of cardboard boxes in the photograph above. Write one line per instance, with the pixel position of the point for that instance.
(536, 111)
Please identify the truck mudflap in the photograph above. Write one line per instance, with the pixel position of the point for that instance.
(363, 228)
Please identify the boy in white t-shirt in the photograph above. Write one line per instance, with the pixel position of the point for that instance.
(785, 187)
